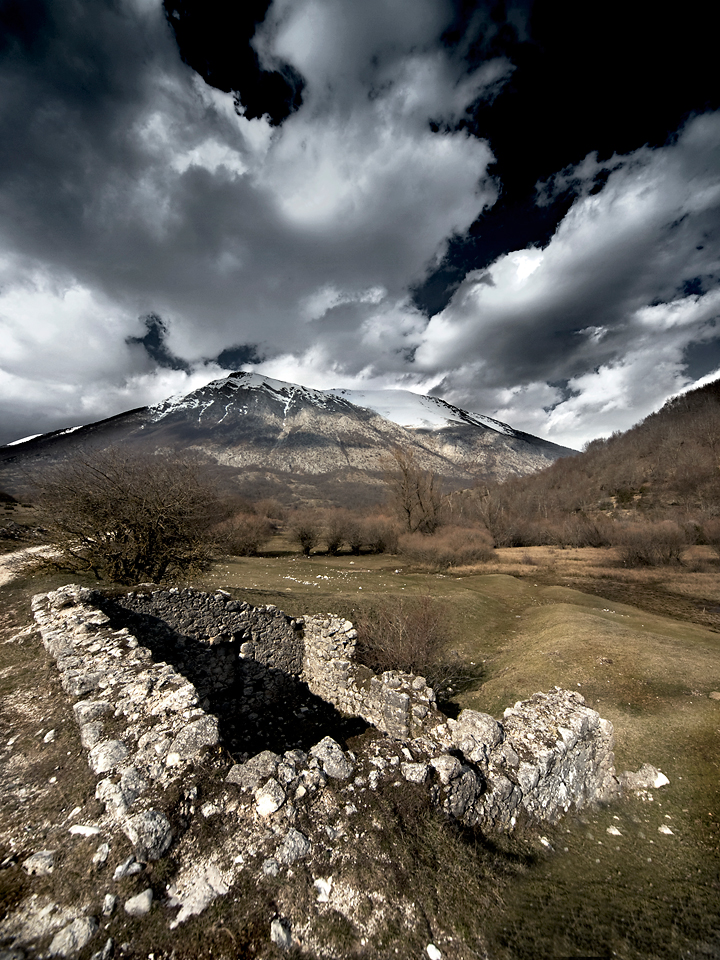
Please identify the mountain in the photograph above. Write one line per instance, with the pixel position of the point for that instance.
(288, 441)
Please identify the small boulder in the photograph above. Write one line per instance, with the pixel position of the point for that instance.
(40, 864)
(414, 772)
(295, 846)
(106, 755)
(191, 739)
(150, 833)
(139, 905)
(249, 775)
(71, 939)
(333, 760)
(281, 934)
(269, 798)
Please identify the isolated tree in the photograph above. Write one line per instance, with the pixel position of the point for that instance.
(415, 493)
(335, 529)
(128, 517)
(306, 532)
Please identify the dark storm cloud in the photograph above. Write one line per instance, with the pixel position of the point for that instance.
(154, 344)
(348, 170)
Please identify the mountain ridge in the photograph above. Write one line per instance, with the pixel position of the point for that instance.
(277, 433)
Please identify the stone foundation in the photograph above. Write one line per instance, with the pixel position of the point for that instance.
(144, 723)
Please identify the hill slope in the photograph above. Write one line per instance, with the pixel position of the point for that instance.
(665, 467)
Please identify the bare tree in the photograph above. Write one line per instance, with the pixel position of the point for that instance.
(416, 493)
(128, 517)
(306, 532)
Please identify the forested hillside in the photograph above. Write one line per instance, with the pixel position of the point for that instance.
(665, 469)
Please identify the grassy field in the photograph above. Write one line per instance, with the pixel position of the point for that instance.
(535, 618)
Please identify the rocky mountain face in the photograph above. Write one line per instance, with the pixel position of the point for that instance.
(281, 439)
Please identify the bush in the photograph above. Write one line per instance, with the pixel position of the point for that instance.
(244, 534)
(335, 532)
(306, 531)
(128, 517)
(711, 534)
(450, 547)
(649, 544)
(412, 635)
(383, 538)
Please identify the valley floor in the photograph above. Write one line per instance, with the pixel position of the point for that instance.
(638, 879)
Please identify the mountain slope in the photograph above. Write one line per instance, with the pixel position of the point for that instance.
(301, 442)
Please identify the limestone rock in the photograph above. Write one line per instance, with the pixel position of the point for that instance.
(87, 710)
(249, 775)
(140, 904)
(646, 778)
(74, 937)
(190, 741)
(106, 755)
(106, 952)
(40, 864)
(333, 760)
(295, 846)
(281, 934)
(150, 833)
(414, 772)
(269, 798)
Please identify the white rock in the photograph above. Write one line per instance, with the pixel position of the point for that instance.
(432, 951)
(40, 864)
(269, 798)
(139, 905)
(82, 830)
(150, 833)
(101, 854)
(280, 933)
(613, 831)
(666, 830)
(414, 772)
(73, 938)
(105, 756)
(323, 886)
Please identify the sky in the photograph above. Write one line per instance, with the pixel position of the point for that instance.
(511, 206)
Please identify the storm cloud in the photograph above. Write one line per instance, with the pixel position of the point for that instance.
(155, 233)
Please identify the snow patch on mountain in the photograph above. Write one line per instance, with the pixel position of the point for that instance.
(409, 409)
(402, 407)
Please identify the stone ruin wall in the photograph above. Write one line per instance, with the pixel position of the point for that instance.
(319, 651)
(153, 745)
(546, 755)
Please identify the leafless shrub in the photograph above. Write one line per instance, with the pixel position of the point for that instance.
(711, 534)
(306, 531)
(355, 536)
(244, 534)
(412, 635)
(382, 538)
(449, 547)
(128, 517)
(335, 527)
(649, 544)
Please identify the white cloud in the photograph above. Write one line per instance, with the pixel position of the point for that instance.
(603, 307)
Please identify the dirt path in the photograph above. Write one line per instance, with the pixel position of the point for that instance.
(11, 564)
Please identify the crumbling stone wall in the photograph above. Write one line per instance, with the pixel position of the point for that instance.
(318, 650)
(152, 746)
(399, 704)
(264, 634)
(547, 754)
